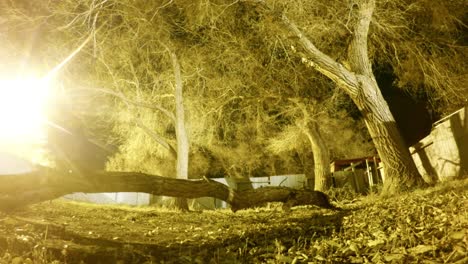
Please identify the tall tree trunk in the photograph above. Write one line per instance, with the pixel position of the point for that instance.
(322, 179)
(400, 170)
(359, 83)
(181, 132)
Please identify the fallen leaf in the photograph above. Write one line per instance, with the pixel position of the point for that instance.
(393, 257)
(421, 249)
(458, 235)
(376, 242)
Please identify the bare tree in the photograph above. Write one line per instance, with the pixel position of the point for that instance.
(181, 152)
(310, 128)
(322, 176)
(254, 61)
(358, 81)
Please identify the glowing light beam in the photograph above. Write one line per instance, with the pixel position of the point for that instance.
(23, 105)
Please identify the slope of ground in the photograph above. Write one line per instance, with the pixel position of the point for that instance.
(426, 226)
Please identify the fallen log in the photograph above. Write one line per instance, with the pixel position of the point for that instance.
(44, 184)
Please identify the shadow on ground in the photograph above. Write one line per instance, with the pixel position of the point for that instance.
(73, 232)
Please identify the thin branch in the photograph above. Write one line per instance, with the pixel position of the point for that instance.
(148, 131)
(157, 138)
(141, 104)
(159, 8)
(52, 73)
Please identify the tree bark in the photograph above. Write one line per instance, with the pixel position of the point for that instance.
(44, 184)
(400, 170)
(322, 177)
(181, 132)
(360, 84)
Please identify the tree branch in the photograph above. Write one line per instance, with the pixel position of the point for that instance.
(358, 50)
(157, 138)
(44, 184)
(324, 63)
(141, 104)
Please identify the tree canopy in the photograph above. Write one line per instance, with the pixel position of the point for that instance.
(240, 70)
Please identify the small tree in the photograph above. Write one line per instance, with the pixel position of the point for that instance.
(181, 152)
(313, 128)
(322, 175)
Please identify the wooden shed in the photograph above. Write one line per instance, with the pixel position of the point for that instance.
(361, 174)
(443, 155)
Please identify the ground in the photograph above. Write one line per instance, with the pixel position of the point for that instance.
(425, 226)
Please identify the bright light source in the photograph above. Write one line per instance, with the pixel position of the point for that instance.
(22, 110)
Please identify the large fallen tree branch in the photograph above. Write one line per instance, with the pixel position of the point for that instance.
(45, 184)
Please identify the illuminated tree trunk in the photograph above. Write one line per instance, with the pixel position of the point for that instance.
(400, 170)
(359, 83)
(322, 174)
(181, 133)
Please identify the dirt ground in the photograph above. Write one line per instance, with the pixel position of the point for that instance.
(426, 226)
(73, 232)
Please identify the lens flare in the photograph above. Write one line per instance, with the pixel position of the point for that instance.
(23, 110)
